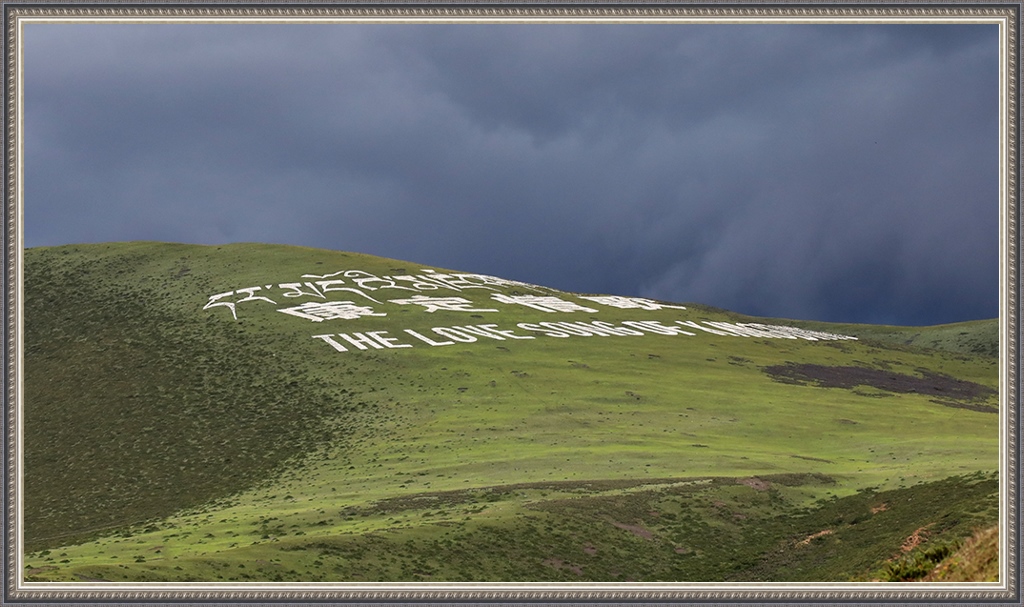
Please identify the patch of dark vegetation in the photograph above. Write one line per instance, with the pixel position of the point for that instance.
(499, 492)
(927, 383)
(871, 531)
(813, 459)
(126, 403)
(969, 406)
(869, 394)
(799, 479)
(718, 529)
(917, 563)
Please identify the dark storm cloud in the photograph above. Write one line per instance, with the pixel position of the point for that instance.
(841, 172)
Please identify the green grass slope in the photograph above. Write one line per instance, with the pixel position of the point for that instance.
(171, 437)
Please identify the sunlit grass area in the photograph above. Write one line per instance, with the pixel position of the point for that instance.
(171, 437)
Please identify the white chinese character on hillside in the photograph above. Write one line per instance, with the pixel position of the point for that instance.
(544, 304)
(448, 304)
(626, 303)
(319, 311)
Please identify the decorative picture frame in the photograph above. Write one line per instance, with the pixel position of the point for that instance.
(1007, 591)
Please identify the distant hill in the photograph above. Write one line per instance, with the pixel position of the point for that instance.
(261, 412)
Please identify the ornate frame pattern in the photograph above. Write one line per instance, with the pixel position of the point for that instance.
(1007, 14)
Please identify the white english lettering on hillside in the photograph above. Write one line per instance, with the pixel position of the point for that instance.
(654, 326)
(690, 323)
(807, 334)
(455, 333)
(467, 334)
(362, 341)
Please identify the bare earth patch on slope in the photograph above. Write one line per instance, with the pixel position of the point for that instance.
(953, 392)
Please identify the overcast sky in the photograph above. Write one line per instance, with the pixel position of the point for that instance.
(832, 172)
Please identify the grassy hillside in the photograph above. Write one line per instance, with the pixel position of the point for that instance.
(976, 559)
(180, 426)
